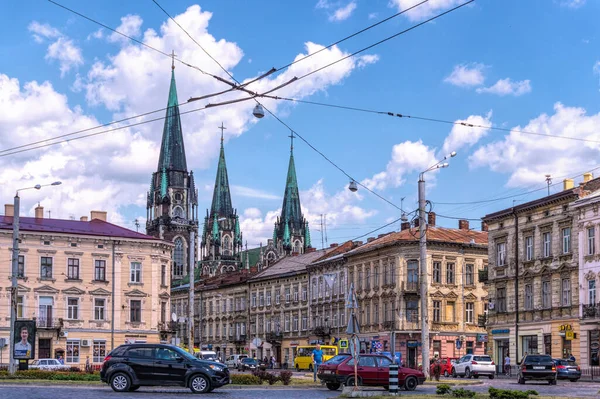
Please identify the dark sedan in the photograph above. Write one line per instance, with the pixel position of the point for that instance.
(537, 367)
(251, 364)
(567, 370)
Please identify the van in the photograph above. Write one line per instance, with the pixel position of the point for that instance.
(233, 361)
(303, 359)
(208, 355)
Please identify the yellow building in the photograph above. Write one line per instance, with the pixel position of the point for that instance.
(72, 276)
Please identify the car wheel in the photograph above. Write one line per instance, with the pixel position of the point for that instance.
(333, 386)
(199, 384)
(120, 382)
(491, 377)
(297, 368)
(521, 380)
(134, 388)
(467, 373)
(446, 374)
(453, 372)
(574, 380)
(350, 381)
(475, 376)
(386, 387)
(410, 383)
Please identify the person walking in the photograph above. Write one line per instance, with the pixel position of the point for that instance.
(317, 359)
(88, 368)
(507, 365)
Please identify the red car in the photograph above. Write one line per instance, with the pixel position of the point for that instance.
(446, 365)
(372, 370)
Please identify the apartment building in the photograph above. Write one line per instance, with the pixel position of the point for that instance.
(72, 272)
(386, 274)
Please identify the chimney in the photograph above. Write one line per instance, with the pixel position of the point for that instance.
(484, 226)
(416, 222)
(404, 226)
(431, 219)
(587, 177)
(9, 210)
(381, 235)
(83, 218)
(100, 215)
(333, 245)
(370, 239)
(357, 243)
(39, 212)
(463, 224)
(568, 184)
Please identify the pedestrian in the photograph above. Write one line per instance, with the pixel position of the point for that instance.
(317, 359)
(272, 362)
(507, 365)
(572, 358)
(88, 367)
(61, 360)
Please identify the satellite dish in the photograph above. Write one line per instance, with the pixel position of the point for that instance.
(174, 316)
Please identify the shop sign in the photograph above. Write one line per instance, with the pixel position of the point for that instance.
(482, 338)
(413, 344)
(565, 327)
(569, 335)
(294, 343)
(503, 331)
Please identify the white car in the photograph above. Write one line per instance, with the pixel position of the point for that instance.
(233, 361)
(47, 364)
(473, 366)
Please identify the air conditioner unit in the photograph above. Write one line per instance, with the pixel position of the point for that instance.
(63, 334)
(86, 342)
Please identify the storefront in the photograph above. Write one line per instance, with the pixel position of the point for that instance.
(501, 347)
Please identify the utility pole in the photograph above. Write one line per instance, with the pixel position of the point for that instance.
(549, 182)
(423, 263)
(191, 295)
(322, 237)
(14, 287)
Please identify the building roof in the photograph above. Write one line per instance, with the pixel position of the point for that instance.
(95, 227)
(172, 150)
(221, 203)
(292, 264)
(434, 234)
(226, 280)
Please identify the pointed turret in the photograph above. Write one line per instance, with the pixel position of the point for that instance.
(172, 150)
(291, 211)
(221, 203)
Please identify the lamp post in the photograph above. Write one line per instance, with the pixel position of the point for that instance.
(15, 271)
(423, 262)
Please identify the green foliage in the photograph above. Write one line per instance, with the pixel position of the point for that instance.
(463, 393)
(510, 394)
(285, 376)
(49, 375)
(263, 375)
(245, 379)
(443, 389)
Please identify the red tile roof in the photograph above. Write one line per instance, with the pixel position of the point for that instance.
(95, 227)
(434, 234)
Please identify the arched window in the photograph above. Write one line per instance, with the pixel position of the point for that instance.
(178, 197)
(297, 246)
(226, 245)
(178, 257)
(178, 212)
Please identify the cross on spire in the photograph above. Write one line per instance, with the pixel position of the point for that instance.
(173, 55)
(222, 128)
(292, 137)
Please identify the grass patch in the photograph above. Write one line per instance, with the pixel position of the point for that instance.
(417, 396)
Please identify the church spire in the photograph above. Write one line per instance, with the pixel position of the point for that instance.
(172, 150)
(221, 203)
(290, 210)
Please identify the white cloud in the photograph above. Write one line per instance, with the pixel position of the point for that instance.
(130, 26)
(367, 60)
(43, 31)
(464, 135)
(373, 15)
(99, 34)
(62, 49)
(527, 158)
(572, 3)
(596, 70)
(249, 192)
(426, 10)
(465, 75)
(323, 4)
(506, 86)
(343, 13)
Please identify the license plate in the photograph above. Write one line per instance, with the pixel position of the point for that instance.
(539, 367)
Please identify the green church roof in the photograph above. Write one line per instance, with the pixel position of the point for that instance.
(172, 150)
(290, 210)
(221, 203)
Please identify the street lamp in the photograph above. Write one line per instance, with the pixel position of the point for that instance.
(15, 271)
(423, 260)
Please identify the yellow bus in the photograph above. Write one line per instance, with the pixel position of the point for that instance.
(303, 360)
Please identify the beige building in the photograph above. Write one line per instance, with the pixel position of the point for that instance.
(385, 272)
(67, 271)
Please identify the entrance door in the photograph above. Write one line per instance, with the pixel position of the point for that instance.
(411, 357)
(502, 350)
(45, 311)
(44, 348)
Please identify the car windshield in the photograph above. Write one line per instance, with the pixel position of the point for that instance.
(248, 360)
(337, 359)
(482, 358)
(35, 363)
(184, 354)
(538, 358)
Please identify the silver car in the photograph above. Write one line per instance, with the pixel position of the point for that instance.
(473, 366)
(47, 364)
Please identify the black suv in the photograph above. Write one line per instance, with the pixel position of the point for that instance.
(128, 367)
(537, 367)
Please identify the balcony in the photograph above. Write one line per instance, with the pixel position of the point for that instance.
(481, 320)
(590, 311)
(483, 275)
(321, 331)
(49, 323)
(238, 339)
(167, 326)
(389, 325)
(412, 286)
(274, 337)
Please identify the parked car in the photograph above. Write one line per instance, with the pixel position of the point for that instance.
(232, 361)
(128, 367)
(372, 370)
(48, 364)
(208, 355)
(251, 364)
(567, 370)
(473, 366)
(446, 365)
(537, 367)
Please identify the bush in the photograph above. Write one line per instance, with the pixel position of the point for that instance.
(245, 379)
(510, 394)
(49, 375)
(463, 393)
(443, 389)
(265, 376)
(285, 376)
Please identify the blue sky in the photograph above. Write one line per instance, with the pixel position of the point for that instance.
(530, 65)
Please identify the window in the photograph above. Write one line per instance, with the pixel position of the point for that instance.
(20, 307)
(261, 299)
(21, 266)
(376, 277)
(72, 308)
(320, 289)
(277, 297)
(528, 297)
(99, 351)
(566, 240)
(591, 234)
(253, 300)
(304, 322)
(376, 314)
(450, 311)
(99, 304)
(437, 272)
(469, 274)
(136, 272)
(178, 257)
(227, 245)
(341, 283)
(566, 292)
(100, 270)
(449, 273)
(268, 298)
(412, 310)
(546, 294)
(529, 248)
(304, 293)
(295, 323)
(296, 294)
(45, 267)
(501, 254)
(368, 279)
(437, 311)
(591, 292)
(288, 295)
(72, 351)
(469, 312)
(287, 323)
(163, 275)
(501, 299)
(360, 278)
(386, 279)
(135, 311)
(73, 269)
(546, 239)
(530, 344)
(314, 288)
(413, 274)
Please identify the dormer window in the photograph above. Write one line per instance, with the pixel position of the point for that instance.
(46, 242)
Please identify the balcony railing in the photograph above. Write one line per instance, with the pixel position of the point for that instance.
(389, 325)
(274, 336)
(321, 331)
(591, 311)
(483, 275)
(49, 323)
(238, 339)
(167, 326)
(412, 286)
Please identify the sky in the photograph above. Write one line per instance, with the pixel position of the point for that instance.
(507, 67)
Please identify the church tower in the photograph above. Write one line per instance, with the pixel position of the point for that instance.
(221, 244)
(172, 204)
(291, 234)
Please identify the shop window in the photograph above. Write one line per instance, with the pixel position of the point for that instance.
(547, 344)
(567, 348)
(469, 347)
(594, 347)
(530, 344)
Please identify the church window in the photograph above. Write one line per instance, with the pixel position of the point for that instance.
(177, 196)
(226, 245)
(178, 212)
(297, 246)
(178, 257)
